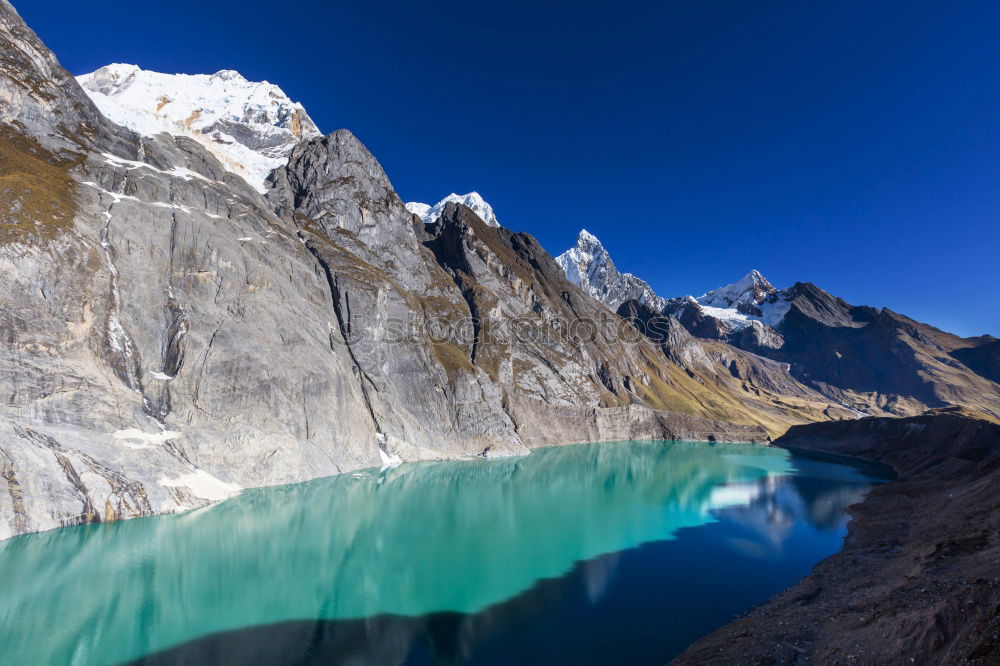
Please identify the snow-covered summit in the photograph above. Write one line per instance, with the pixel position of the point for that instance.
(473, 200)
(250, 126)
(744, 294)
(589, 266)
(751, 298)
(750, 301)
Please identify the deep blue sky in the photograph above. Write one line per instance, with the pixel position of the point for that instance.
(853, 144)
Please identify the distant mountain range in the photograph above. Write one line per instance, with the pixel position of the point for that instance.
(203, 293)
(872, 361)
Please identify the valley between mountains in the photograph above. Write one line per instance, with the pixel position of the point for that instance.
(201, 292)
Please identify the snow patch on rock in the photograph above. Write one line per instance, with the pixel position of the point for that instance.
(389, 458)
(137, 439)
(203, 485)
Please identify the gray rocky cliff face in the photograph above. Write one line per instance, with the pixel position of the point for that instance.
(170, 336)
(571, 370)
(166, 345)
(388, 296)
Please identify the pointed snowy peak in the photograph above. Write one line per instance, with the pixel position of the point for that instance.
(588, 250)
(589, 266)
(751, 289)
(749, 299)
(473, 200)
(587, 253)
(250, 126)
(587, 244)
(476, 203)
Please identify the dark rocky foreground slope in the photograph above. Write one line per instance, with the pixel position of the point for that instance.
(918, 580)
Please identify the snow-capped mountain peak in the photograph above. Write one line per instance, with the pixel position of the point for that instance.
(473, 200)
(744, 294)
(589, 266)
(749, 299)
(250, 126)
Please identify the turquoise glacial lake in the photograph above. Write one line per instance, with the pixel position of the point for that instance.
(620, 552)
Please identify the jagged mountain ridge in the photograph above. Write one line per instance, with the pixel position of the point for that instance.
(867, 360)
(589, 266)
(744, 294)
(752, 298)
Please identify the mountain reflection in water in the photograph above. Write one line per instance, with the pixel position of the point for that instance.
(575, 554)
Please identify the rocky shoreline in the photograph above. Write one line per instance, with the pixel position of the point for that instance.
(918, 579)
